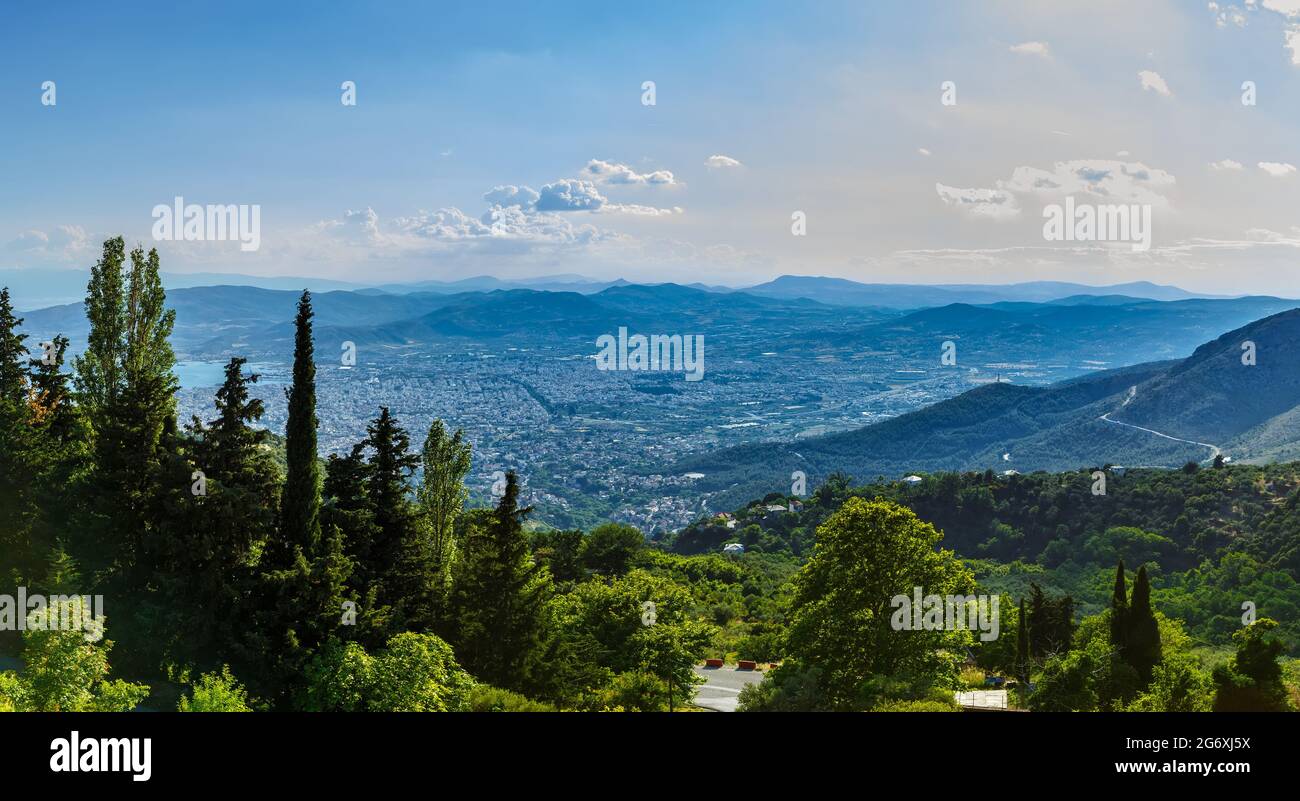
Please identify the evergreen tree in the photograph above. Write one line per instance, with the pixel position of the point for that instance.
(1022, 645)
(16, 491)
(1143, 637)
(499, 596)
(208, 552)
(300, 503)
(1119, 610)
(13, 378)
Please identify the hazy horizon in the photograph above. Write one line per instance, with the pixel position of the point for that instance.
(474, 148)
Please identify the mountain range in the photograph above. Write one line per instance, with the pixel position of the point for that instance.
(1237, 396)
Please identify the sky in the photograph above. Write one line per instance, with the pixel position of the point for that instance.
(517, 140)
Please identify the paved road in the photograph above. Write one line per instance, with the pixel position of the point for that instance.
(1214, 449)
(721, 692)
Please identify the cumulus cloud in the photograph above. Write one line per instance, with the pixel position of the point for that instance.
(608, 172)
(510, 195)
(988, 203)
(1277, 169)
(569, 194)
(719, 161)
(1032, 49)
(1226, 164)
(1152, 81)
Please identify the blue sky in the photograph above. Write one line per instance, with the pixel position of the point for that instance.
(833, 111)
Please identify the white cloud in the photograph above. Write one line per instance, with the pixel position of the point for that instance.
(990, 203)
(63, 243)
(1116, 181)
(569, 194)
(1032, 49)
(1277, 169)
(719, 161)
(608, 172)
(511, 195)
(1151, 80)
(1226, 164)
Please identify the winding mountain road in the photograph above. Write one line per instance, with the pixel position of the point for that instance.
(1215, 451)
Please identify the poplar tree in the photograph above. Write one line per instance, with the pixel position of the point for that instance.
(442, 493)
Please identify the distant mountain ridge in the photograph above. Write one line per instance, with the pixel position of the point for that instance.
(844, 292)
(1155, 414)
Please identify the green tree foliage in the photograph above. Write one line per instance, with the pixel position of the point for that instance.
(412, 673)
(1142, 639)
(610, 548)
(442, 494)
(1252, 681)
(499, 596)
(301, 499)
(867, 553)
(215, 692)
(67, 666)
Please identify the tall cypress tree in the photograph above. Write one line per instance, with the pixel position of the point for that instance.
(1119, 610)
(1022, 645)
(300, 503)
(1143, 640)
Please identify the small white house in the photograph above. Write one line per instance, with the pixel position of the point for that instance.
(912, 479)
(733, 548)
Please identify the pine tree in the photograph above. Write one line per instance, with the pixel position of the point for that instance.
(13, 378)
(499, 596)
(16, 490)
(207, 553)
(399, 565)
(300, 503)
(1143, 637)
(1119, 610)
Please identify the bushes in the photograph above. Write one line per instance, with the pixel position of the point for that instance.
(216, 692)
(414, 673)
(486, 698)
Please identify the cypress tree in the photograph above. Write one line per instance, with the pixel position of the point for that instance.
(1143, 651)
(300, 503)
(1119, 610)
(1022, 645)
